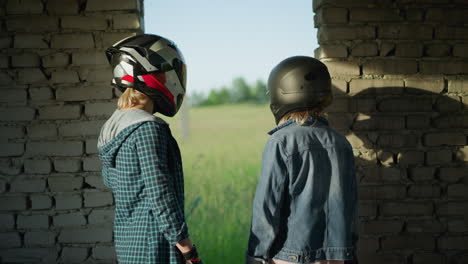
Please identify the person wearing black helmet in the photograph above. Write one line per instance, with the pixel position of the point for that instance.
(141, 160)
(305, 205)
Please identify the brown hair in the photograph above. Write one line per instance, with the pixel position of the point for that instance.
(301, 116)
(130, 98)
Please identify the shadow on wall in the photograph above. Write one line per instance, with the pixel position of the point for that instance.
(410, 152)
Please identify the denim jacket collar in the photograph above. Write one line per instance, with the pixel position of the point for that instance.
(309, 121)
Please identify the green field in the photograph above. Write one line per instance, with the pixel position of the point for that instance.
(221, 158)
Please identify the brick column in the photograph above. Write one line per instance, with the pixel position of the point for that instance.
(400, 76)
(55, 95)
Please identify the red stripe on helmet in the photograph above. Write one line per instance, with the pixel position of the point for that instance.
(128, 78)
(153, 82)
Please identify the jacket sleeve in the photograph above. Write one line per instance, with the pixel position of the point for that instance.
(268, 200)
(151, 147)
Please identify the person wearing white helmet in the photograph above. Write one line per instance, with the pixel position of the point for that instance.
(141, 160)
(305, 205)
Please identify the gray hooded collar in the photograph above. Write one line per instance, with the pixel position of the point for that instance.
(122, 119)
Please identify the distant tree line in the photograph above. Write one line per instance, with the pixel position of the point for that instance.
(238, 92)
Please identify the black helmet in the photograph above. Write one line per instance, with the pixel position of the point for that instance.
(154, 66)
(296, 84)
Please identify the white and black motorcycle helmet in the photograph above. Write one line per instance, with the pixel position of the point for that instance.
(154, 66)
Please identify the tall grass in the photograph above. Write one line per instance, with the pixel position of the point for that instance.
(222, 159)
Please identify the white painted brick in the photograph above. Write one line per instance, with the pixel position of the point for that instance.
(6, 79)
(92, 164)
(25, 60)
(4, 62)
(85, 22)
(55, 148)
(7, 221)
(14, 96)
(67, 165)
(433, 67)
(92, 74)
(462, 154)
(101, 216)
(3, 186)
(74, 254)
(126, 21)
(342, 68)
(71, 219)
(405, 31)
(93, 57)
(364, 49)
(59, 59)
(32, 24)
(104, 109)
(445, 138)
(11, 132)
(40, 202)
(104, 252)
(91, 146)
(30, 41)
(439, 157)
(96, 182)
(109, 39)
(96, 92)
(430, 85)
(62, 7)
(65, 183)
(83, 128)
(97, 199)
(458, 86)
(13, 203)
(37, 166)
(65, 76)
(10, 168)
(11, 149)
(390, 67)
(5, 42)
(31, 76)
(10, 240)
(460, 51)
(17, 114)
(42, 131)
(60, 112)
(373, 86)
(438, 50)
(68, 201)
(28, 185)
(32, 221)
(39, 238)
(332, 33)
(71, 41)
(105, 5)
(26, 255)
(88, 235)
(39, 95)
(19, 7)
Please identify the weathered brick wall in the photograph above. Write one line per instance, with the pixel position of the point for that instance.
(400, 73)
(55, 95)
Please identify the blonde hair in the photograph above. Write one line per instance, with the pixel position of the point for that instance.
(300, 117)
(130, 98)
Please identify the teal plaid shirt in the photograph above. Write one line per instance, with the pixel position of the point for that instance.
(143, 167)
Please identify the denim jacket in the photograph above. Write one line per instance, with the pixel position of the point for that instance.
(305, 206)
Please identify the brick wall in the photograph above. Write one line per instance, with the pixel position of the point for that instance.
(55, 95)
(400, 76)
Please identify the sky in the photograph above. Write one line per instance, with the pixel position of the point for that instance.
(222, 40)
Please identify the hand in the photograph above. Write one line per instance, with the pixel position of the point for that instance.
(191, 257)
